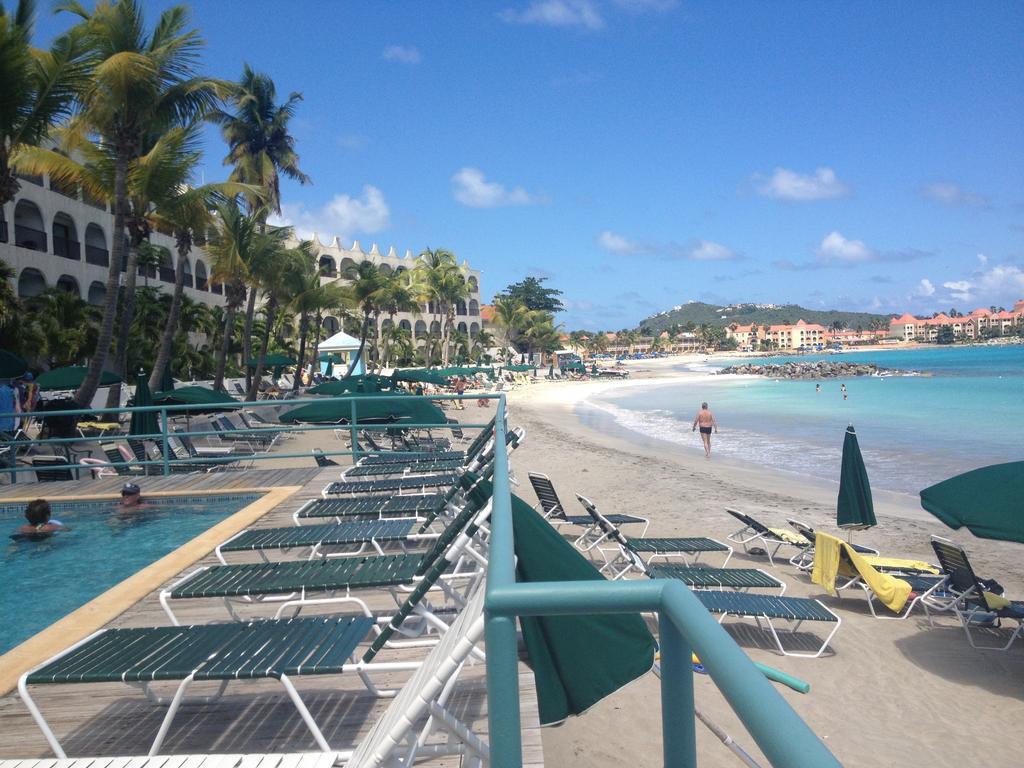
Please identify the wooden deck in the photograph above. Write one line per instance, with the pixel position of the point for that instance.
(253, 716)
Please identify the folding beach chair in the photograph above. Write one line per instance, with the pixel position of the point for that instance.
(553, 511)
(976, 606)
(376, 507)
(120, 461)
(771, 539)
(51, 469)
(804, 558)
(266, 440)
(432, 463)
(280, 650)
(291, 583)
(636, 554)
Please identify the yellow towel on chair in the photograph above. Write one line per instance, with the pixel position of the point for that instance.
(790, 537)
(891, 591)
(896, 563)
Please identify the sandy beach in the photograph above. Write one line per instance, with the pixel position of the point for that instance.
(890, 693)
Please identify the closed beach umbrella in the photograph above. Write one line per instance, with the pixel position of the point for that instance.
(576, 660)
(167, 380)
(987, 501)
(11, 365)
(854, 508)
(143, 423)
(71, 377)
(376, 407)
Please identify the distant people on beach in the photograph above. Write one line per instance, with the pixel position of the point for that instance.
(705, 420)
(41, 523)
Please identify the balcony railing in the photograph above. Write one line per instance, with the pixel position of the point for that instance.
(166, 274)
(3, 231)
(27, 237)
(89, 200)
(30, 178)
(65, 189)
(187, 281)
(202, 284)
(68, 249)
(97, 256)
(217, 288)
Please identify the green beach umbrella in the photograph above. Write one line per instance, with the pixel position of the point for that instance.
(376, 407)
(329, 358)
(854, 508)
(367, 383)
(71, 377)
(11, 365)
(987, 501)
(167, 380)
(421, 375)
(272, 361)
(218, 401)
(143, 423)
(576, 660)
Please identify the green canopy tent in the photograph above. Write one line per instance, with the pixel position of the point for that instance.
(275, 361)
(144, 423)
(11, 365)
(854, 507)
(987, 501)
(71, 377)
(421, 376)
(575, 365)
(368, 383)
(576, 660)
(371, 407)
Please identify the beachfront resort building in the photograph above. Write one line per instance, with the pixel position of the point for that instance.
(795, 336)
(53, 236)
(979, 324)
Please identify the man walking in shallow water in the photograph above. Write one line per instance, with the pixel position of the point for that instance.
(706, 421)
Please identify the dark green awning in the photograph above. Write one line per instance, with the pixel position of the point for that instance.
(421, 375)
(988, 501)
(71, 377)
(11, 365)
(218, 401)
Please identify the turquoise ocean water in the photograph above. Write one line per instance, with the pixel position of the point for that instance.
(965, 411)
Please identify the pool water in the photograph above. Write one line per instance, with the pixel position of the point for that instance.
(42, 581)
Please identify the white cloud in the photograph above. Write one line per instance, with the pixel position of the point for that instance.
(342, 217)
(470, 187)
(705, 250)
(618, 244)
(959, 289)
(925, 287)
(581, 14)
(402, 54)
(982, 259)
(785, 184)
(948, 193)
(1004, 282)
(835, 247)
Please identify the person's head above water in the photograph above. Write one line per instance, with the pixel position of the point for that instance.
(130, 494)
(703, 406)
(38, 512)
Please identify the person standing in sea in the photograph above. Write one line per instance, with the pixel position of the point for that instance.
(706, 421)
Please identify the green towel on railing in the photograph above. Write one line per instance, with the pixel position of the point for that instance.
(576, 660)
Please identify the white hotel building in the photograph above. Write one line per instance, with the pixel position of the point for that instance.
(54, 237)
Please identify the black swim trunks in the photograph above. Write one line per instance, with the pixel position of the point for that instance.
(705, 430)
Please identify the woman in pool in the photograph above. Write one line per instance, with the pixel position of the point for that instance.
(40, 523)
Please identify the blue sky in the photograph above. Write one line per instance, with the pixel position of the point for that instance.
(643, 153)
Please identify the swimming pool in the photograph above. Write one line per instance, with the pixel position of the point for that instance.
(41, 581)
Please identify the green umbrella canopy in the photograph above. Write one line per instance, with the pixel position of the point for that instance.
(368, 383)
(272, 361)
(144, 423)
(218, 401)
(71, 377)
(854, 508)
(167, 380)
(576, 660)
(576, 365)
(422, 375)
(374, 407)
(987, 501)
(328, 357)
(11, 365)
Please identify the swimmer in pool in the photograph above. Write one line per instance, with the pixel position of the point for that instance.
(131, 497)
(40, 521)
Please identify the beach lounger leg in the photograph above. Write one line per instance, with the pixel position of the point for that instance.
(304, 713)
(172, 710)
(33, 710)
(967, 617)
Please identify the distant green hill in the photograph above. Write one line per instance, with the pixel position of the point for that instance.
(699, 313)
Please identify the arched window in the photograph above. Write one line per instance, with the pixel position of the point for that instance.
(474, 307)
(96, 246)
(189, 281)
(346, 265)
(65, 238)
(460, 307)
(462, 328)
(435, 328)
(474, 330)
(97, 293)
(331, 325)
(385, 268)
(405, 324)
(474, 285)
(29, 230)
(327, 268)
(421, 329)
(31, 283)
(386, 323)
(68, 284)
(201, 282)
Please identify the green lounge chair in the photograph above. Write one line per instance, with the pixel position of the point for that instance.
(372, 507)
(754, 530)
(418, 483)
(553, 511)
(366, 534)
(635, 554)
(769, 609)
(702, 577)
(472, 462)
(275, 650)
(975, 606)
(392, 457)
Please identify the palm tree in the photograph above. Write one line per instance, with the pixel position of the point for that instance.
(397, 344)
(481, 343)
(10, 305)
(64, 327)
(39, 87)
(260, 149)
(398, 293)
(141, 82)
(513, 317)
(270, 267)
(306, 297)
(364, 292)
(443, 284)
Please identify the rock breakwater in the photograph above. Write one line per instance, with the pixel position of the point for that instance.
(824, 369)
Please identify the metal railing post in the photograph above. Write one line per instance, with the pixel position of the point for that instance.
(355, 434)
(678, 729)
(166, 446)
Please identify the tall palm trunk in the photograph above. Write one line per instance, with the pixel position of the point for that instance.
(250, 314)
(131, 279)
(234, 301)
(91, 381)
(303, 332)
(254, 384)
(163, 355)
(303, 318)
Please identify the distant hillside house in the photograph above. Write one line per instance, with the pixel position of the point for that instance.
(979, 324)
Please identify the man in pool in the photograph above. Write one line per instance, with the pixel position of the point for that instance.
(37, 513)
(706, 421)
(131, 496)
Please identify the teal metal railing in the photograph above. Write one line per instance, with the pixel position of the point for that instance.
(168, 459)
(685, 627)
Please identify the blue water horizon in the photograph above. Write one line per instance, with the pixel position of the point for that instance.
(964, 410)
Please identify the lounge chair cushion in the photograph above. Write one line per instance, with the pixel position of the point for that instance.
(327, 534)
